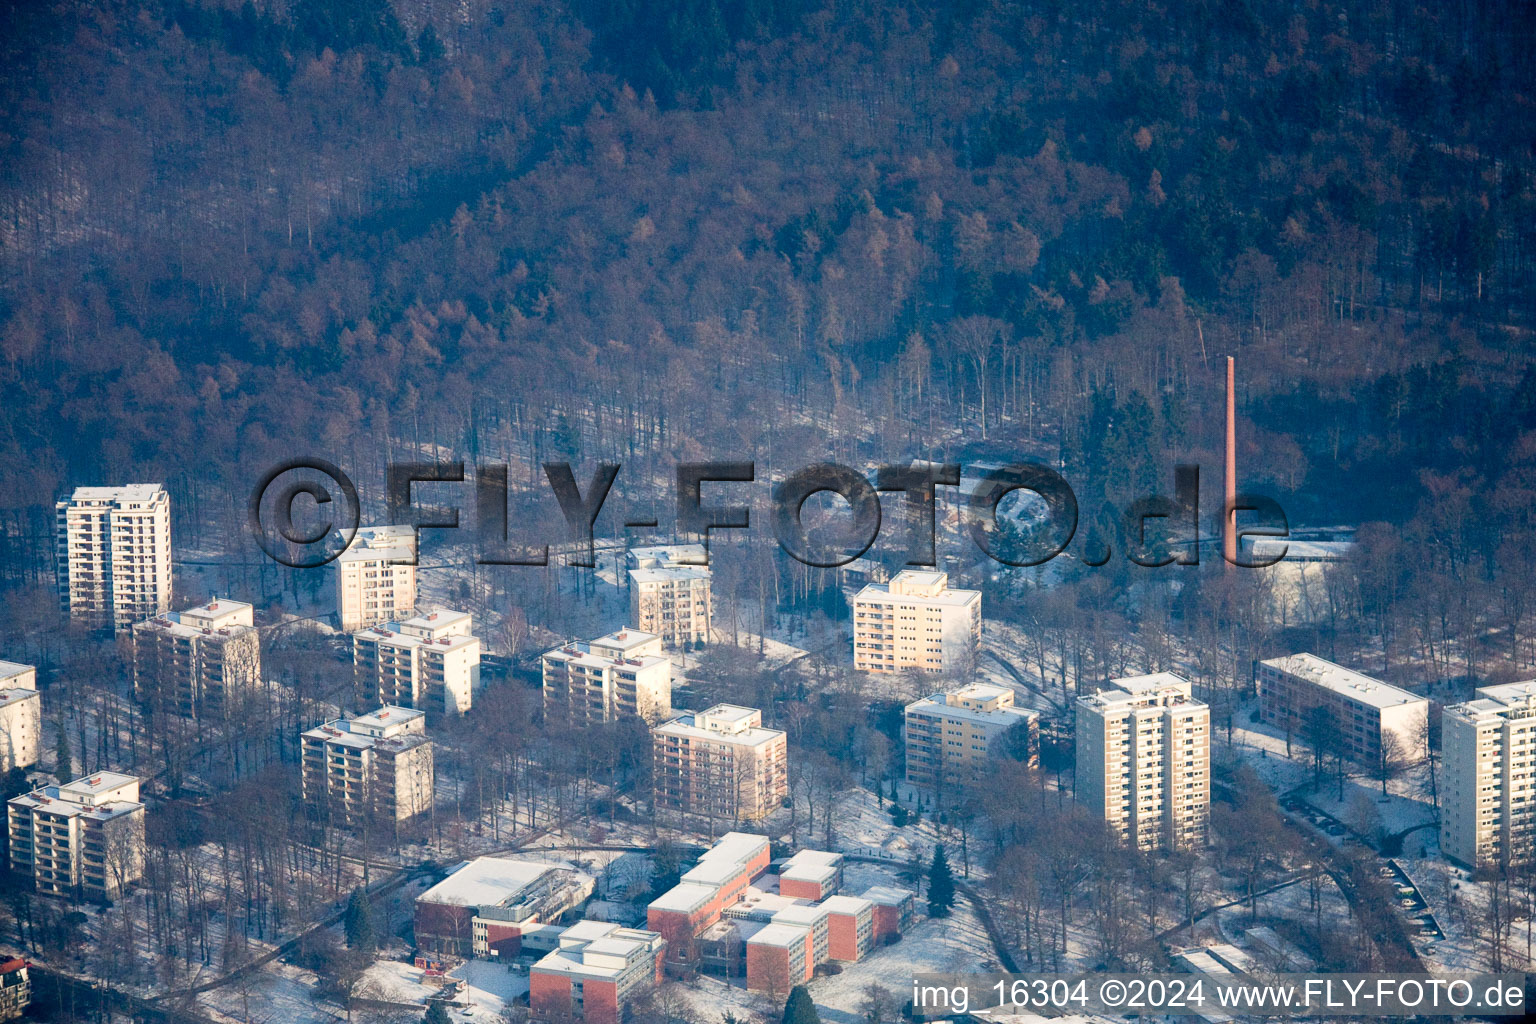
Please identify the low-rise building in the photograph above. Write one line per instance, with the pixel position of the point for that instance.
(894, 911)
(916, 622)
(950, 736)
(1488, 782)
(21, 716)
(720, 763)
(779, 957)
(377, 766)
(1143, 761)
(620, 674)
(197, 662)
(1361, 713)
(717, 881)
(594, 972)
(430, 662)
(376, 577)
(851, 927)
(485, 906)
(81, 840)
(811, 875)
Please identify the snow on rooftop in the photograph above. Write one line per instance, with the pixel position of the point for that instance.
(487, 881)
(850, 905)
(785, 935)
(1356, 686)
(123, 492)
(684, 897)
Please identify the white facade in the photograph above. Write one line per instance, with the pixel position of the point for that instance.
(430, 662)
(21, 716)
(1364, 711)
(83, 840)
(1144, 761)
(197, 662)
(950, 736)
(1488, 803)
(379, 764)
(669, 592)
(376, 577)
(623, 673)
(114, 554)
(720, 762)
(916, 621)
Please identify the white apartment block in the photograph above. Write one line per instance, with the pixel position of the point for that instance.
(21, 716)
(1144, 761)
(376, 765)
(376, 577)
(916, 621)
(114, 554)
(430, 662)
(951, 735)
(1361, 709)
(83, 840)
(198, 662)
(1488, 799)
(623, 673)
(720, 763)
(669, 592)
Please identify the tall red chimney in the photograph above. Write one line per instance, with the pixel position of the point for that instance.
(1229, 517)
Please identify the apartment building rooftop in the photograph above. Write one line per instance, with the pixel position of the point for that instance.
(946, 704)
(663, 574)
(596, 949)
(393, 634)
(221, 616)
(433, 622)
(122, 492)
(11, 672)
(668, 554)
(87, 797)
(1355, 686)
(1497, 702)
(388, 728)
(580, 652)
(914, 584)
(1143, 691)
(723, 721)
(375, 543)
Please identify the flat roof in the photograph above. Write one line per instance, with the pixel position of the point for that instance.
(121, 492)
(953, 597)
(8, 669)
(850, 905)
(487, 881)
(811, 865)
(669, 573)
(380, 543)
(1301, 550)
(389, 635)
(737, 846)
(934, 705)
(801, 913)
(626, 639)
(435, 618)
(888, 895)
(101, 782)
(684, 897)
(683, 725)
(1356, 686)
(776, 934)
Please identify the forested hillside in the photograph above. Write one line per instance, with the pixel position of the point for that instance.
(231, 232)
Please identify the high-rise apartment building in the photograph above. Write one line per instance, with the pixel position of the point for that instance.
(376, 577)
(1143, 761)
(669, 592)
(1360, 712)
(916, 621)
(951, 735)
(430, 662)
(198, 662)
(114, 555)
(21, 716)
(720, 763)
(83, 840)
(623, 673)
(1488, 783)
(378, 765)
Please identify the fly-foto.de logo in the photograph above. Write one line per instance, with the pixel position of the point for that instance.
(336, 512)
